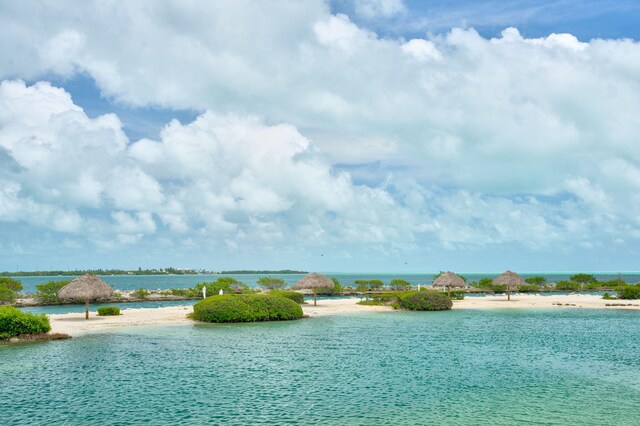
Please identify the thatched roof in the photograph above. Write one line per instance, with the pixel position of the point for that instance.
(450, 280)
(510, 279)
(314, 280)
(86, 287)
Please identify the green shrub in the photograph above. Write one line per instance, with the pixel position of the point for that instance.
(483, 283)
(537, 280)
(568, 286)
(629, 292)
(291, 295)
(456, 294)
(246, 308)
(106, 311)
(226, 284)
(426, 301)
(365, 285)
(583, 278)
(48, 292)
(6, 294)
(14, 322)
(399, 284)
(529, 288)
(607, 296)
(11, 284)
(498, 288)
(141, 293)
(609, 284)
(271, 283)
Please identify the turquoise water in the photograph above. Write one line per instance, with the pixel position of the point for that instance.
(153, 282)
(459, 367)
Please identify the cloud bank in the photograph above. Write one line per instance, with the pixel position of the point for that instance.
(315, 132)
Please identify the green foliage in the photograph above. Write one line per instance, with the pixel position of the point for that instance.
(226, 284)
(608, 284)
(337, 288)
(498, 288)
(291, 295)
(399, 284)
(484, 283)
(426, 301)
(106, 311)
(568, 285)
(607, 296)
(11, 284)
(6, 295)
(141, 293)
(48, 292)
(271, 283)
(14, 322)
(530, 288)
(583, 278)
(368, 285)
(246, 308)
(456, 294)
(537, 280)
(629, 292)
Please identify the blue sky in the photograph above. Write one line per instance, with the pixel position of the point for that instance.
(368, 135)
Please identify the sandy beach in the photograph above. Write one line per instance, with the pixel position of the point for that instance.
(74, 324)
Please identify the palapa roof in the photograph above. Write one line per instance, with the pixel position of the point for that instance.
(86, 287)
(450, 280)
(314, 280)
(510, 279)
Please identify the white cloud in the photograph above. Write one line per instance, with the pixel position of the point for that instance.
(370, 9)
(539, 135)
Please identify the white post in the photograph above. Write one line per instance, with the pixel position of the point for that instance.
(204, 292)
(221, 292)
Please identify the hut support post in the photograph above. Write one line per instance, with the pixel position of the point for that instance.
(314, 296)
(86, 309)
(508, 293)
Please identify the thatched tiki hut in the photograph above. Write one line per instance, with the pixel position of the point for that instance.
(314, 281)
(509, 279)
(86, 288)
(449, 280)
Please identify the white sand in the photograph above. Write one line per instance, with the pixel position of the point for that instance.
(521, 301)
(75, 325)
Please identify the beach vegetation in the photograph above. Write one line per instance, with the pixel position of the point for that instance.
(538, 280)
(141, 293)
(398, 284)
(568, 285)
(292, 295)
(105, 311)
(430, 300)
(369, 285)
(48, 292)
(271, 283)
(337, 288)
(246, 308)
(607, 296)
(456, 294)
(226, 284)
(7, 295)
(583, 278)
(629, 292)
(14, 322)
(529, 288)
(11, 284)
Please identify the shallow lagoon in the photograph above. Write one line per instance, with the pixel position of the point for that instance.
(458, 367)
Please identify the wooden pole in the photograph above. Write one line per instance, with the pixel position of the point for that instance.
(86, 309)
(508, 292)
(314, 297)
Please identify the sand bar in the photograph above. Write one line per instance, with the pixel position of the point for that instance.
(74, 324)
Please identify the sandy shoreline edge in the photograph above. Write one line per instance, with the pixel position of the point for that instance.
(75, 325)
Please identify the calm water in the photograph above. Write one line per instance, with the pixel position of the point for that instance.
(153, 282)
(459, 367)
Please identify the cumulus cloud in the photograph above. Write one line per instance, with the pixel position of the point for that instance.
(462, 139)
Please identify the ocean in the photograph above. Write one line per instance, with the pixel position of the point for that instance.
(461, 367)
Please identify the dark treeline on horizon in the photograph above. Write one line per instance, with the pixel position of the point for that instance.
(282, 271)
(75, 272)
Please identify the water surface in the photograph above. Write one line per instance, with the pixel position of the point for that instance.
(458, 367)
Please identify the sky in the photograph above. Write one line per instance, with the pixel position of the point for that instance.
(344, 136)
